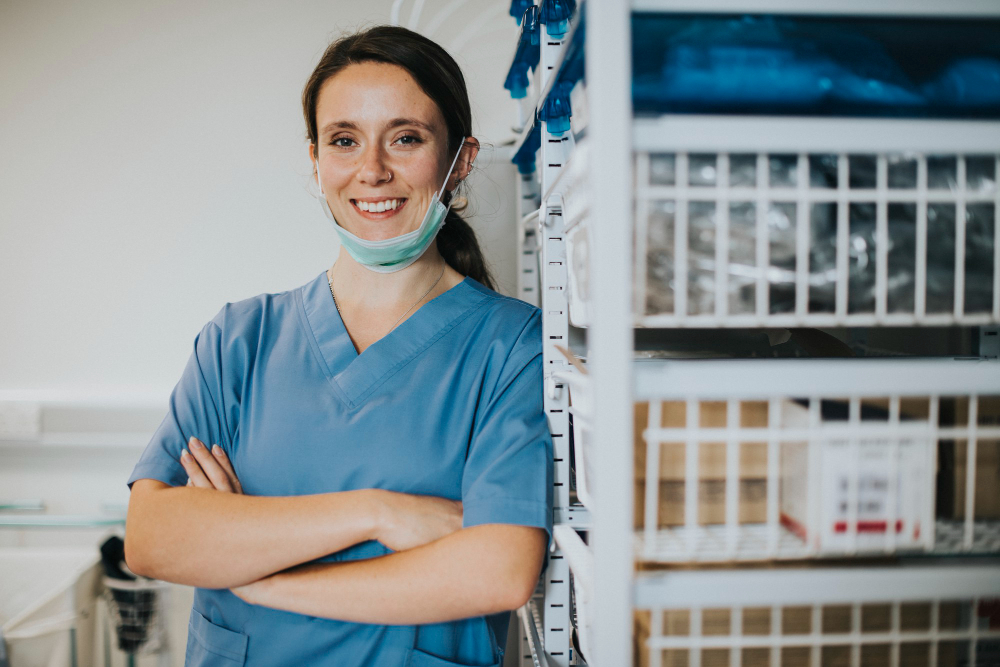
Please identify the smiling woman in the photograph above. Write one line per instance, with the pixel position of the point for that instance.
(379, 489)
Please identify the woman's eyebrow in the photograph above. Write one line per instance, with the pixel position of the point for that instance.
(396, 122)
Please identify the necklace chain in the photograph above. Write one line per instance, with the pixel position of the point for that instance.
(419, 299)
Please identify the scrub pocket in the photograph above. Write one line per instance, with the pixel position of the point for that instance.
(212, 645)
(417, 658)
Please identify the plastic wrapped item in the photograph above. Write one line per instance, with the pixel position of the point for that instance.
(781, 221)
(816, 65)
(518, 7)
(660, 257)
(783, 171)
(980, 173)
(556, 15)
(556, 110)
(526, 54)
(702, 169)
(524, 158)
(742, 170)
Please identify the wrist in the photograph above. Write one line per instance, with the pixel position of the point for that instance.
(376, 512)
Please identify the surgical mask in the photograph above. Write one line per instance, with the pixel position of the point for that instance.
(395, 254)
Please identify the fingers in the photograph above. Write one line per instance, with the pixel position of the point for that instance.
(203, 469)
(220, 455)
(196, 476)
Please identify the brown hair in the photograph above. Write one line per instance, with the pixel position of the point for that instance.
(440, 77)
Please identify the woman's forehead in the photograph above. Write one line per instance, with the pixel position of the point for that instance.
(375, 96)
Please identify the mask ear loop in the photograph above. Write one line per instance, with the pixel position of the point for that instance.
(450, 169)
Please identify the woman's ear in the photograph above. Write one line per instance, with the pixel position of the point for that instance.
(465, 160)
(312, 158)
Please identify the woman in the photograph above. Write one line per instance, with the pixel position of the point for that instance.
(380, 490)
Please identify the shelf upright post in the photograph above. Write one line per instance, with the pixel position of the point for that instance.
(527, 240)
(608, 80)
(553, 152)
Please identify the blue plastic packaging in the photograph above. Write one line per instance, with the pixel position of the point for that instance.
(816, 65)
(518, 7)
(556, 15)
(556, 111)
(525, 156)
(526, 54)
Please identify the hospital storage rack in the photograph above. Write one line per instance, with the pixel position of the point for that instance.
(591, 216)
(544, 142)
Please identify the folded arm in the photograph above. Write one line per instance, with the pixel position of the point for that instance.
(209, 534)
(475, 571)
(201, 537)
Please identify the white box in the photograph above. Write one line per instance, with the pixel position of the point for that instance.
(816, 500)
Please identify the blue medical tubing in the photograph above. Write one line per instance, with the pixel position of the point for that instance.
(556, 110)
(556, 15)
(525, 156)
(518, 7)
(526, 55)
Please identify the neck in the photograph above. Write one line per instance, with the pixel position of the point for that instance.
(358, 286)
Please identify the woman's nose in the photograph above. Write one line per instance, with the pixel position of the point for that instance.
(373, 168)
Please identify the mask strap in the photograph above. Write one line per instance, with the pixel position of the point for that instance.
(450, 169)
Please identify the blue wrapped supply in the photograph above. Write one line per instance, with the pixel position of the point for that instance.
(814, 65)
(556, 111)
(526, 55)
(517, 81)
(518, 7)
(968, 82)
(529, 35)
(524, 158)
(556, 15)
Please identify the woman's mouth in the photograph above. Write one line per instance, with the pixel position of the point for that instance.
(379, 209)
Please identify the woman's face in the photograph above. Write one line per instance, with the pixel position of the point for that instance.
(382, 143)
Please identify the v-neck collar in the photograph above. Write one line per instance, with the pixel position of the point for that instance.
(355, 376)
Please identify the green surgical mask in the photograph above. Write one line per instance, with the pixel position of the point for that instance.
(395, 254)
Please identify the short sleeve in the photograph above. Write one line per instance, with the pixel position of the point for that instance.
(508, 472)
(199, 406)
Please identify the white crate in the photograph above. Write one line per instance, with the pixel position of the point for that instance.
(816, 239)
(825, 484)
(892, 616)
(846, 233)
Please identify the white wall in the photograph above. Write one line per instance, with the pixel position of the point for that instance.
(153, 166)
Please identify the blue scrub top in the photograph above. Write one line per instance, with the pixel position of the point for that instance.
(448, 404)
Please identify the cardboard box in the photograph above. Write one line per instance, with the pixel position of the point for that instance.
(711, 465)
(987, 490)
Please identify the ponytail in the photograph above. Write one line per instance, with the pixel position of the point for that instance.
(459, 247)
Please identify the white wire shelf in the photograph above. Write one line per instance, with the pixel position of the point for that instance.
(840, 7)
(792, 459)
(754, 543)
(845, 232)
(811, 239)
(888, 616)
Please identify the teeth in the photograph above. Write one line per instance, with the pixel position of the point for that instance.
(379, 207)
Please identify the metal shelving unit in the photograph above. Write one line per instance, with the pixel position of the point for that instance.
(597, 208)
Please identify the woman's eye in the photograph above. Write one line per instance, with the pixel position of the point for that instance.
(342, 142)
(408, 139)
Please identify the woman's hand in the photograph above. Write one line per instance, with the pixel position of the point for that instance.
(407, 520)
(209, 469)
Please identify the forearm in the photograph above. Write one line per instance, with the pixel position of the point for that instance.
(473, 572)
(207, 538)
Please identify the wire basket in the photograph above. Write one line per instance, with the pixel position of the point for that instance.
(137, 609)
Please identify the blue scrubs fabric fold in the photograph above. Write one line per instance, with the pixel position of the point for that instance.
(447, 404)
